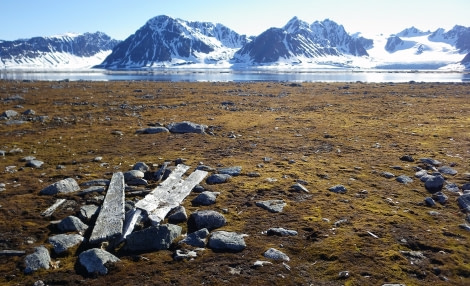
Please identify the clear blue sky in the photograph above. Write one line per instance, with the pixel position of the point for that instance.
(121, 18)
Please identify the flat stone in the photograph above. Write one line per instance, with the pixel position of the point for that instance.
(226, 241)
(464, 202)
(429, 202)
(430, 161)
(218, 179)
(440, 197)
(87, 212)
(197, 238)
(95, 260)
(178, 215)
(447, 170)
(339, 189)
(72, 223)
(62, 242)
(205, 219)
(110, 221)
(387, 175)
(34, 164)
(186, 127)
(279, 231)
(205, 198)
(153, 238)
(232, 171)
(275, 254)
(297, 187)
(97, 182)
(404, 179)
(153, 130)
(92, 189)
(67, 185)
(274, 206)
(9, 252)
(40, 259)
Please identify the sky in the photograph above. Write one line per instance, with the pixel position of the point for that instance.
(21, 19)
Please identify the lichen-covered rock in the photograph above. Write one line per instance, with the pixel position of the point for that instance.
(153, 238)
(205, 198)
(62, 242)
(186, 127)
(218, 179)
(205, 219)
(72, 223)
(197, 238)
(226, 241)
(67, 185)
(275, 254)
(40, 258)
(94, 260)
(434, 183)
(339, 189)
(274, 206)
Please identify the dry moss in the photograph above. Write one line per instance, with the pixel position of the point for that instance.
(322, 133)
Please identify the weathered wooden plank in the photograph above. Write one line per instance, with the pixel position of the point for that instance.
(52, 208)
(110, 220)
(175, 196)
(152, 200)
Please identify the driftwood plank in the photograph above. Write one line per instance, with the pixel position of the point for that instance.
(153, 200)
(110, 220)
(52, 208)
(175, 196)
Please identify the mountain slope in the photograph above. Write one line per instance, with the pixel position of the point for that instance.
(165, 41)
(67, 51)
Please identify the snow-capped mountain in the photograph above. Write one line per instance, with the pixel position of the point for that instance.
(70, 51)
(415, 49)
(165, 42)
(299, 42)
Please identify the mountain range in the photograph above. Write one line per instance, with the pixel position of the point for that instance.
(166, 42)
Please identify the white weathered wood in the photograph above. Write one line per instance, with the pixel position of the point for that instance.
(52, 208)
(132, 217)
(160, 193)
(110, 220)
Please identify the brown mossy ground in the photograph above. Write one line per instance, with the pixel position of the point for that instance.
(335, 133)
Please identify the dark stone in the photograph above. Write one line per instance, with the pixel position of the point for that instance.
(197, 238)
(186, 127)
(205, 198)
(429, 202)
(232, 171)
(434, 183)
(407, 158)
(430, 161)
(404, 179)
(95, 260)
(37, 260)
(177, 215)
(226, 241)
(464, 202)
(218, 179)
(153, 238)
(72, 223)
(340, 189)
(205, 219)
(447, 170)
(440, 197)
(152, 130)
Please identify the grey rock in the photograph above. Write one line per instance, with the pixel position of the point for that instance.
(87, 212)
(205, 168)
(152, 130)
(198, 189)
(67, 185)
(92, 189)
(434, 183)
(421, 173)
(62, 242)
(447, 170)
(279, 231)
(232, 171)
(440, 197)
(465, 226)
(218, 179)
(9, 252)
(226, 241)
(40, 258)
(186, 127)
(97, 182)
(466, 186)
(34, 164)
(9, 114)
(429, 202)
(94, 260)
(205, 198)
(27, 158)
(452, 187)
(275, 254)
(160, 173)
(205, 219)
(387, 175)
(464, 202)
(197, 238)
(299, 188)
(340, 189)
(15, 122)
(29, 112)
(407, 158)
(137, 182)
(133, 174)
(430, 161)
(72, 223)
(274, 206)
(177, 215)
(141, 166)
(404, 179)
(153, 238)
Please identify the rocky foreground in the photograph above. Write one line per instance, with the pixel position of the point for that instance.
(148, 183)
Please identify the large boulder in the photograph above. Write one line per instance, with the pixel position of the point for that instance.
(37, 260)
(72, 223)
(186, 127)
(205, 219)
(94, 260)
(62, 242)
(67, 185)
(226, 241)
(153, 238)
(434, 183)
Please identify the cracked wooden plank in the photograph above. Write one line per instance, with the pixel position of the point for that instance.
(52, 208)
(110, 220)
